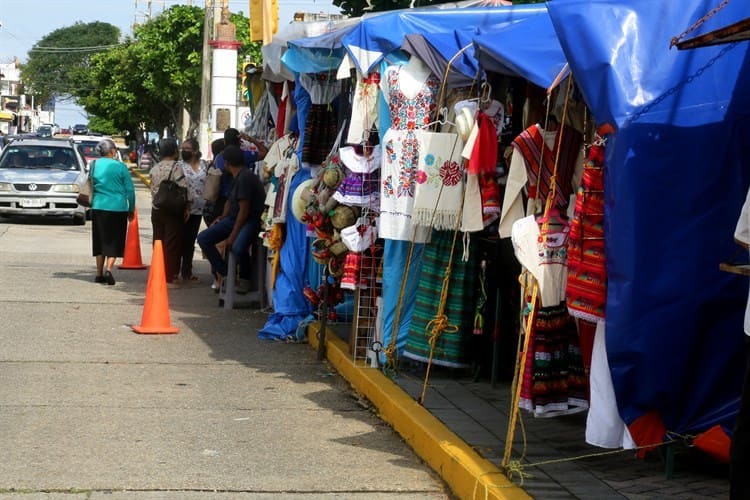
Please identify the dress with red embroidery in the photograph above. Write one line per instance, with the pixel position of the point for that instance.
(400, 155)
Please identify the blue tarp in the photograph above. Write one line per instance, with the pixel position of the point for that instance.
(529, 49)
(677, 170)
(316, 54)
(374, 37)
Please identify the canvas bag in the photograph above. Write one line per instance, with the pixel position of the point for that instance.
(86, 195)
(171, 197)
(213, 183)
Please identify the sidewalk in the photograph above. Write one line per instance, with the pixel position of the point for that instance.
(460, 432)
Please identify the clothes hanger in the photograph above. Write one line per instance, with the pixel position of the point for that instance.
(441, 121)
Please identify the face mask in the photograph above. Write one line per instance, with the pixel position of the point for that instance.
(186, 155)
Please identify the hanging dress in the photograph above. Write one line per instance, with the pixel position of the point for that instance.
(321, 125)
(459, 307)
(400, 156)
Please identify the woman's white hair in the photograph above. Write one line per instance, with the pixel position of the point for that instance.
(104, 147)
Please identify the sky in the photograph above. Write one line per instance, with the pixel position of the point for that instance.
(25, 22)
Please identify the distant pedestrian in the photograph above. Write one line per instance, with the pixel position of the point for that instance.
(194, 169)
(146, 160)
(169, 227)
(112, 206)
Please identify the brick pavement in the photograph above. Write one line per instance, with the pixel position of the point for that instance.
(479, 415)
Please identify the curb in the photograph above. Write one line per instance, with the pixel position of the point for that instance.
(137, 173)
(468, 474)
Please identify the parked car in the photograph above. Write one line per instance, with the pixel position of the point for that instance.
(80, 129)
(86, 145)
(42, 177)
(44, 131)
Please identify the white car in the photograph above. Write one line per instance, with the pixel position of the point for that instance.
(42, 177)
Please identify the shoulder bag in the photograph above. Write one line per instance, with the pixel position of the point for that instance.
(171, 197)
(86, 194)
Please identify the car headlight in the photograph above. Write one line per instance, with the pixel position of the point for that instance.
(6, 186)
(66, 188)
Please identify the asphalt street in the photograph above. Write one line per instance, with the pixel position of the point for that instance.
(90, 409)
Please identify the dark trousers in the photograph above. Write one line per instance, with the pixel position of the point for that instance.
(189, 233)
(168, 229)
(208, 238)
(739, 452)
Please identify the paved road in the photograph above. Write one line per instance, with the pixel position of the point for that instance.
(89, 409)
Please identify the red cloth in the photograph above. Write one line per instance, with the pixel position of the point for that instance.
(484, 155)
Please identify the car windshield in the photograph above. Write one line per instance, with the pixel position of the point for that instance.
(59, 158)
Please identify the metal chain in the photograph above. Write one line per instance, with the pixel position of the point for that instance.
(636, 116)
(698, 23)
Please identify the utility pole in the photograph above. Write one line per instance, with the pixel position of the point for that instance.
(206, 79)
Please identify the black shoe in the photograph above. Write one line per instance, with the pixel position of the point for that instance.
(109, 278)
(99, 279)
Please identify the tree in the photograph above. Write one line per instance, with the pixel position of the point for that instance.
(56, 60)
(150, 79)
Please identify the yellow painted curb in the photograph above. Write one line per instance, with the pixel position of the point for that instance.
(142, 177)
(469, 475)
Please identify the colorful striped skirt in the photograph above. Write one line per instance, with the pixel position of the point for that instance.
(450, 345)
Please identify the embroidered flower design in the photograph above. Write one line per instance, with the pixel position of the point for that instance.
(421, 176)
(388, 186)
(450, 173)
(429, 160)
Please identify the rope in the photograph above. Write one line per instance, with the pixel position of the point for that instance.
(521, 360)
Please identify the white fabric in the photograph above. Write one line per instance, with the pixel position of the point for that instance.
(604, 427)
(282, 159)
(364, 111)
(742, 234)
(440, 186)
(513, 208)
(359, 163)
(323, 88)
(544, 261)
(471, 217)
(360, 236)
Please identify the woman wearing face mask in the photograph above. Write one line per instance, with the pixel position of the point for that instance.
(195, 173)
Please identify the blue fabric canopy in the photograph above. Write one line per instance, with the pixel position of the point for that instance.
(529, 48)
(374, 37)
(316, 54)
(677, 170)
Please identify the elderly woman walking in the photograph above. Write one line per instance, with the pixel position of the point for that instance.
(112, 206)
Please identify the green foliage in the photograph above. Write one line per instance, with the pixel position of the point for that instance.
(145, 83)
(103, 126)
(54, 62)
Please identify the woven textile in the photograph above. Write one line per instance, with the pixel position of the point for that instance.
(586, 288)
(440, 186)
(554, 381)
(450, 347)
(320, 133)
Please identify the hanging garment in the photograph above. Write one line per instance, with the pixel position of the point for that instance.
(450, 346)
(282, 160)
(604, 426)
(586, 289)
(364, 108)
(544, 257)
(409, 111)
(360, 187)
(321, 124)
(554, 381)
(529, 166)
(440, 186)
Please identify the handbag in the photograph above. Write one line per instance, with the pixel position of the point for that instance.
(86, 194)
(213, 184)
(171, 197)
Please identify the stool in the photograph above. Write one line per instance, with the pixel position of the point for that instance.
(228, 298)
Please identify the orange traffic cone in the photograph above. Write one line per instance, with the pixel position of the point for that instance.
(132, 257)
(155, 317)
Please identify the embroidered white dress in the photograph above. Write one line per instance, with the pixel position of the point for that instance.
(409, 112)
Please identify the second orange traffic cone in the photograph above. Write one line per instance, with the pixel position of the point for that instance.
(155, 317)
(132, 258)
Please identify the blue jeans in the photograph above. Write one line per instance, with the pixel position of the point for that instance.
(208, 238)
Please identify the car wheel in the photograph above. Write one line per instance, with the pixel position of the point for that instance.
(79, 219)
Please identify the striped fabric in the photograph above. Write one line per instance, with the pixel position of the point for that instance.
(450, 347)
(530, 143)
